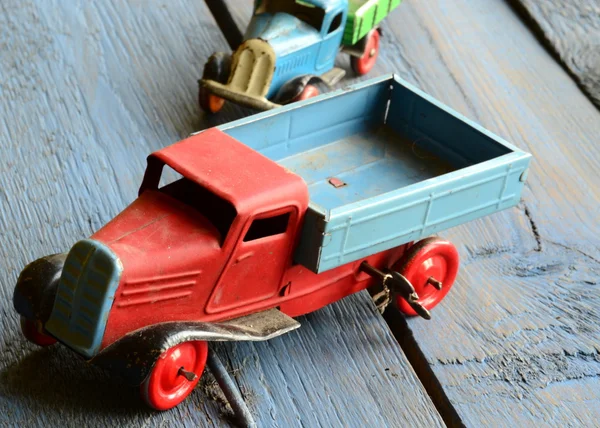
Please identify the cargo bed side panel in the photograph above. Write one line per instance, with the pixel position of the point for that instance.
(420, 210)
(308, 124)
(438, 129)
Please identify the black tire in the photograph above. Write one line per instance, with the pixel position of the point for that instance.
(216, 68)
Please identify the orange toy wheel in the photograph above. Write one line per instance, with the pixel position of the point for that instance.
(209, 102)
(309, 91)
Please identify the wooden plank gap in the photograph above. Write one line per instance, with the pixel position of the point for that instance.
(225, 21)
(420, 365)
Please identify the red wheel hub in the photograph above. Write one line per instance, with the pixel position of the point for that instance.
(309, 91)
(365, 63)
(174, 375)
(32, 333)
(428, 261)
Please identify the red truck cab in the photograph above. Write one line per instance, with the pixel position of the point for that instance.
(212, 245)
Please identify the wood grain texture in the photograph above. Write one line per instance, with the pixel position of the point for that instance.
(516, 341)
(342, 368)
(87, 91)
(571, 29)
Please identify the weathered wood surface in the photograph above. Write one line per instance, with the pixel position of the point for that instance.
(571, 29)
(517, 342)
(87, 90)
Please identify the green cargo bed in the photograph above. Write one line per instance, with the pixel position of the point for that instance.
(364, 15)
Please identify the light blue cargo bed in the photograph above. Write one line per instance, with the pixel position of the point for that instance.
(385, 164)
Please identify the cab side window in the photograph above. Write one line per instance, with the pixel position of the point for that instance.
(264, 227)
(335, 23)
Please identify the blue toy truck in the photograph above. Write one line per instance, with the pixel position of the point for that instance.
(290, 47)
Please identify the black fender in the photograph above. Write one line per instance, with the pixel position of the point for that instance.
(35, 290)
(133, 356)
(217, 67)
(294, 87)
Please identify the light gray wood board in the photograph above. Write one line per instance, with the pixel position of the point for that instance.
(571, 29)
(87, 91)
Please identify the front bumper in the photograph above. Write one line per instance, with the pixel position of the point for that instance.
(230, 94)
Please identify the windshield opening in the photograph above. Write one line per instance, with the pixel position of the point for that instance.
(302, 10)
(215, 209)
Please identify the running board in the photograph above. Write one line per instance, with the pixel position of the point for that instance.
(333, 76)
(263, 325)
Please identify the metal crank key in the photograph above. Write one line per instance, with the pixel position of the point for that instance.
(394, 283)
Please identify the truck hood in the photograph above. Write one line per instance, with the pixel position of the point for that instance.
(153, 251)
(158, 234)
(284, 32)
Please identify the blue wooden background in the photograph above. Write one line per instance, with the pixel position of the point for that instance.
(88, 89)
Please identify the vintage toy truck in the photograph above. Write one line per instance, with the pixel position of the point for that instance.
(274, 216)
(289, 47)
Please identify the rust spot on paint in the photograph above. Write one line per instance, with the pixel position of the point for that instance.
(336, 182)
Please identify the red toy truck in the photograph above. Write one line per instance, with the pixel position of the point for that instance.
(274, 216)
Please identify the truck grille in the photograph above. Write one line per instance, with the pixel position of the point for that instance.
(84, 296)
(292, 64)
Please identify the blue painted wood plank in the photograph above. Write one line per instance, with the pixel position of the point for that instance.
(87, 90)
(570, 29)
(341, 368)
(516, 341)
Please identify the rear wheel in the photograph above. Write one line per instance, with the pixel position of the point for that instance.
(32, 333)
(309, 91)
(174, 375)
(365, 63)
(431, 266)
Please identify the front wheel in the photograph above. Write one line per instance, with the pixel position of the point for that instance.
(216, 68)
(175, 375)
(209, 102)
(430, 266)
(366, 62)
(33, 334)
